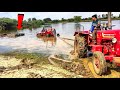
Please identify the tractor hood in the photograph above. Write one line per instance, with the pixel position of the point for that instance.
(112, 34)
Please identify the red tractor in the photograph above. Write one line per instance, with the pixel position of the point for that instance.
(107, 48)
(47, 31)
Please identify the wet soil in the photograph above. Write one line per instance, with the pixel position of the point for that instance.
(14, 67)
(29, 65)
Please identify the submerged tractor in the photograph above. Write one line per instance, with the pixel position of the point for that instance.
(47, 31)
(106, 49)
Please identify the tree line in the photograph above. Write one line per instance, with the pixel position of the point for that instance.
(9, 24)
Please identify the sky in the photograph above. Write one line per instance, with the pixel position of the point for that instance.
(52, 15)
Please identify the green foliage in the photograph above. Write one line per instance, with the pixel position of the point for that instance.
(47, 20)
(77, 19)
(34, 23)
(55, 21)
(11, 24)
(70, 20)
(63, 20)
(7, 23)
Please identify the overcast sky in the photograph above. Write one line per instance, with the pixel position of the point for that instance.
(52, 15)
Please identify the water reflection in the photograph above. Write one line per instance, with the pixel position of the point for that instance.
(4, 49)
(48, 40)
(77, 27)
(30, 28)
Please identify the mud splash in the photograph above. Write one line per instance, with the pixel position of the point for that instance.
(83, 67)
(76, 66)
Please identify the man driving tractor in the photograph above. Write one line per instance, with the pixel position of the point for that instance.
(95, 26)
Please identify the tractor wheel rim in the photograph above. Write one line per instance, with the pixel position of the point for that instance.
(97, 64)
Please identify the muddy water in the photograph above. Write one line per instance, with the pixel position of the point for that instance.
(31, 43)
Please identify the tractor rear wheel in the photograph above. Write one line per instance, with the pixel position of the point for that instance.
(80, 46)
(99, 63)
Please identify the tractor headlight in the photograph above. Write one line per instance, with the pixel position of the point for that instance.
(114, 40)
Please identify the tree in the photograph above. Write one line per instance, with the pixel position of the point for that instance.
(71, 20)
(63, 19)
(10, 24)
(34, 19)
(55, 21)
(24, 24)
(47, 20)
(29, 19)
(40, 22)
(77, 19)
(7, 23)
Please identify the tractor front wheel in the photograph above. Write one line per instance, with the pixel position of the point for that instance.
(99, 63)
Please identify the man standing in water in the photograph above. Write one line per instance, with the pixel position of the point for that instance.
(95, 27)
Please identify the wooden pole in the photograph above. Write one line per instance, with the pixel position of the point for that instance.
(109, 20)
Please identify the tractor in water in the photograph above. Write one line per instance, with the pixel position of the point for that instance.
(107, 48)
(47, 31)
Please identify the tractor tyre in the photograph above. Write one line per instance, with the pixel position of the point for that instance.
(80, 46)
(99, 63)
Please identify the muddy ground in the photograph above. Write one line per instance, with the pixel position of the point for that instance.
(26, 65)
(31, 66)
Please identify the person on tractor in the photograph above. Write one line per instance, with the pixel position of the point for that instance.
(43, 30)
(105, 26)
(95, 26)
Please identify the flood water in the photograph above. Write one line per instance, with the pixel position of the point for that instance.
(32, 44)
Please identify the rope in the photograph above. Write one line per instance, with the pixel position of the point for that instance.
(68, 39)
(65, 41)
(53, 57)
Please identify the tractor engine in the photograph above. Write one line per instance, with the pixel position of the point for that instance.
(110, 41)
(108, 48)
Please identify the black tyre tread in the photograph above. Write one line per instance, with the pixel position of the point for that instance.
(82, 45)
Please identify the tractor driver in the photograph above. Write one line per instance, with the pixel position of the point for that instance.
(95, 26)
